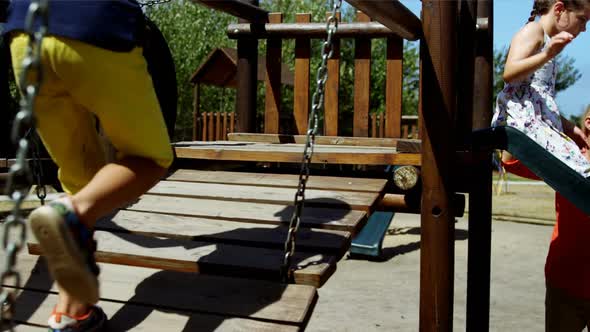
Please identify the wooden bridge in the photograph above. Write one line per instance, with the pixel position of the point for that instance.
(202, 250)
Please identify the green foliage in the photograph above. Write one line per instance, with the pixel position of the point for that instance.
(567, 74)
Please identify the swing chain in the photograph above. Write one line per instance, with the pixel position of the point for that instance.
(317, 102)
(20, 177)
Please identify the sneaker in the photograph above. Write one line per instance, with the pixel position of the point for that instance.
(93, 321)
(68, 247)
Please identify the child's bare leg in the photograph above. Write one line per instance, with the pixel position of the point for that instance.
(113, 186)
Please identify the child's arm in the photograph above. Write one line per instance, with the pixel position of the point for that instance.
(575, 133)
(522, 60)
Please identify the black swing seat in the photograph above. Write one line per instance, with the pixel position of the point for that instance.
(569, 183)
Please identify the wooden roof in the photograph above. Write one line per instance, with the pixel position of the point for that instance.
(220, 69)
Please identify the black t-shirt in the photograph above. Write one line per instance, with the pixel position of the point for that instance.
(115, 25)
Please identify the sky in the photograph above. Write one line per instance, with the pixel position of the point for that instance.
(509, 17)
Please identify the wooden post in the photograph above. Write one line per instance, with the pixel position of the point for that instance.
(393, 87)
(302, 74)
(466, 57)
(480, 196)
(362, 82)
(437, 109)
(331, 101)
(247, 70)
(273, 80)
(196, 110)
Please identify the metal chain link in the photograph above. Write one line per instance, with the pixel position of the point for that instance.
(317, 102)
(152, 3)
(20, 178)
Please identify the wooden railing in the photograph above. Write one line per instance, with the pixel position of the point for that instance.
(214, 126)
(409, 126)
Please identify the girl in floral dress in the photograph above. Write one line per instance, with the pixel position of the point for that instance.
(527, 101)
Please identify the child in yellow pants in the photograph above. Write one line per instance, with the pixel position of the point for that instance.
(82, 81)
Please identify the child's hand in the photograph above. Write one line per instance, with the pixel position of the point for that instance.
(558, 43)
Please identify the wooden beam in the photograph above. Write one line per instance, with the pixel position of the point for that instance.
(237, 8)
(437, 110)
(291, 153)
(480, 196)
(392, 14)
(308, 30)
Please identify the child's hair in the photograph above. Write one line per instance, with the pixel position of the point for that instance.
(541, 7)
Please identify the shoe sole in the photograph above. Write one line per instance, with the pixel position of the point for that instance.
(64, 260)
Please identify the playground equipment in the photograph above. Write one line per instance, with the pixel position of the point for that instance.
(229, 226)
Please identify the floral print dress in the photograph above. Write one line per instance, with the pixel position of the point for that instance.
(530, 107)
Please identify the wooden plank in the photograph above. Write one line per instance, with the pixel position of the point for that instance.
(302, 74)
(129, 316)
(273, 80)
(238, 8)
(393, 87)
(279, 180)
(392, 14)
(210, 125)
(182, 293)
(210, 230)
(362, 82)
(402, 144)
(331, 101)
(258, 194)
(336, 219)
(207, 258)
(292, 153)
(218, 126)
(204, 126)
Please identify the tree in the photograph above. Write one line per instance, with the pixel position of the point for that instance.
(566, 76)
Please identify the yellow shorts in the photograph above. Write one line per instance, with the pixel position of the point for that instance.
(81, 81)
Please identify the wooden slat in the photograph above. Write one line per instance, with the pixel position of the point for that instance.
(210, 230)
(204, 126)
(292, 153)
(336, 219)
(279, 180)
(392, 14)
(302, 75)
(403, 145)
(224, 127)
(259, 194)
(362, 82)
(393, 87)
(332, 87)
(273, 80)
(218, 136)
(207, 258)
(210, 125)
(183, 294)
(238, 8)
(196, 110)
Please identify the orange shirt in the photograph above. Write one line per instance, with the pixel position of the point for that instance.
(568, 261)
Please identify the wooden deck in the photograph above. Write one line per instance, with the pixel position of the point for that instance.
(205, 247)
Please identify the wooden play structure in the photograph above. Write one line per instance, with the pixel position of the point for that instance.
(204, 247)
